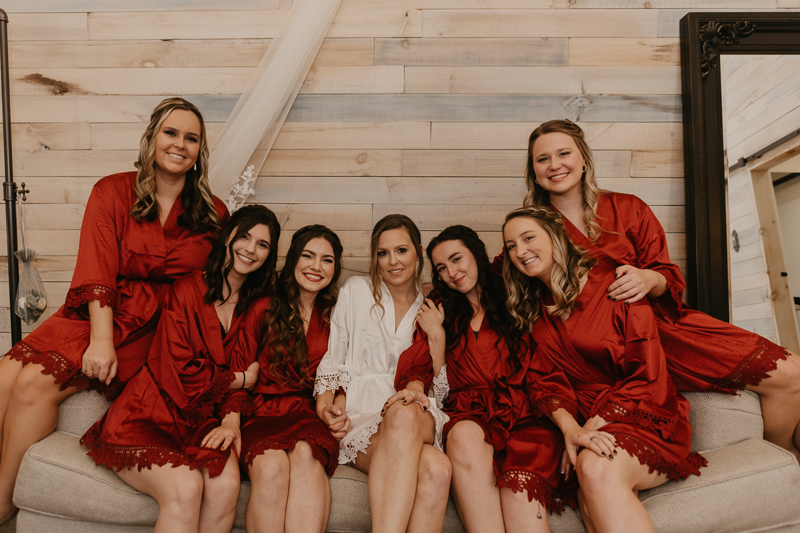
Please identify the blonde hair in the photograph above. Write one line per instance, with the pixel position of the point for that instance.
(387, 223)
(200, 213)
(570, 264)
(539, 197)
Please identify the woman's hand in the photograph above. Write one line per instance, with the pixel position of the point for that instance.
(100, 360)
(226, 434)
(633, 284)
(335, 417)
(407, 397)
(430, 318)
(595, 423)
(599, 442)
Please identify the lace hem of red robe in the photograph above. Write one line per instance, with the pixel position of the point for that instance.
(614, 412)
(547, 405)
(78, 297)
(755, 367)
(534, 485)
(203, 407)
(319, 447)
(242, 404)
(139, 457)
(403, 380)
(648, 456)
(54, 364)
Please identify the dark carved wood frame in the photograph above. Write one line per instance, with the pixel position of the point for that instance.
(704, 37)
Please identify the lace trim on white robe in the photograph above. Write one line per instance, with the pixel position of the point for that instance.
(331, 382)
(441, 388)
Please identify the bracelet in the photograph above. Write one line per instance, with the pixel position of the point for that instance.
(244, 379)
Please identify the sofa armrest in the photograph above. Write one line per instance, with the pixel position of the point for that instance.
(77, 413)
(722, 419)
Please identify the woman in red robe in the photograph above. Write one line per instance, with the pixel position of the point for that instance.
(288, 451)
(703, 353)
(503, 457)
(163, 434)
(602, 361)
(141, 231)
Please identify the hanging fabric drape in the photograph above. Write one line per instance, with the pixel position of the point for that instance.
(255, 122)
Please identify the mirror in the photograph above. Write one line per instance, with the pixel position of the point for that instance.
(708, 40)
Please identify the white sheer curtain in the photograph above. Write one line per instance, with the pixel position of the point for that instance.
(248, 135)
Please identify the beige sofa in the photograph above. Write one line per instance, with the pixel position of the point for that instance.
(749, 486)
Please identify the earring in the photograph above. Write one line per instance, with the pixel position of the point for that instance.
(585, 168)
(195, 166)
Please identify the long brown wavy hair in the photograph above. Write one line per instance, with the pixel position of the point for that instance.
(387, 223)
(457, 308)
(199, 212)
(283, 334)
(539, 197)
(570, 264)
(220, 260)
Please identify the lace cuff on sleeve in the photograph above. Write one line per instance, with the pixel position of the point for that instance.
(441, 387)
(78, 297)
(331, 382)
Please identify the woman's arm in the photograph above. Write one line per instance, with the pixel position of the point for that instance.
(100, 358)
(228, 433)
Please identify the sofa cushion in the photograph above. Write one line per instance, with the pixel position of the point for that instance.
(721, 419)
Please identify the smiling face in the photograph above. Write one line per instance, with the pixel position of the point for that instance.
(397, 258)
(250, 250)
(456, 265)
(315, 267)
(529, 247)
(558, 164)
(177, 144)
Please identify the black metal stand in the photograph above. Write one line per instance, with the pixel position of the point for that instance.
(9, 187)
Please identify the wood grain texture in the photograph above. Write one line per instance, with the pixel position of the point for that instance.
(656, 164)
(350, 135)
(73, 162)
(471, 52)
(353, 80)
(69, 6)
(50, 243)
(59, 190)
(489, 108)
(50, 268)
(654, 191)
(75, 136)
(622, 51)
(173, 53)
(540, 23)
(435, 217)
(696, 5)
(543, 80)
(47, 27)
(48, 217)
(514, 135)
(332, 163)
(218, 24)
(337, 217)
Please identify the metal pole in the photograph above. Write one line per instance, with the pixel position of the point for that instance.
(9, 187)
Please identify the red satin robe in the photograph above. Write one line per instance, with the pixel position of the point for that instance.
(703, 353)
(485, 390)
(124, 264)
(182, 392)
(607, 360)
(285, 411)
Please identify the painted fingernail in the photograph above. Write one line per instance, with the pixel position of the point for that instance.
(614, 299)
(615, 452)
(611, 457)
(424, 408)
(603, 453)
(609, 296)
(382, 411)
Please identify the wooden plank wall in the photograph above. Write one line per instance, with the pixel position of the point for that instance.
(414, 106)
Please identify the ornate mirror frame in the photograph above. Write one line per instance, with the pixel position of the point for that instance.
(704, 37)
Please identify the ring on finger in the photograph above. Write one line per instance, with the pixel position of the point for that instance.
(414, 394)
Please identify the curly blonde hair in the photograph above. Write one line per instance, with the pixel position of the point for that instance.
(570, 264)
(539, 197)
(387, 223)
(199, 211)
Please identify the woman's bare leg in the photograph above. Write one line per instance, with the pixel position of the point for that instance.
(309, 502)
(9, 368)
(433, 489)
(522, 516)
(269, 492)
(609, 492)
(178, 491)
(474, 484)
(31, 415)
(392, 463)
(220, 497)
(780, 404)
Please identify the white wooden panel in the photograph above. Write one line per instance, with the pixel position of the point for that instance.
(60, 190)
(337, 217)
(73, 162)
(654, 191)
(514, 135)
(350, 135)
(540, 23)
(624, 51)
(48, 242)
(353, 80)
(332, 163)
(47, 27)
(479, 217)
(67, 6)
(54, 217)
(50, 268)
(752, 312)
(657, 164)
(471, 52)
(50, 136)
(762, 326)
(220, 24)
(745, 268)
(698, 5)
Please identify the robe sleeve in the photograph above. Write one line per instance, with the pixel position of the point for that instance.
(650, 241)
(97, 267)
(548, 387)
(187, 372)
(332, 373)
(415, 363)
(244, 354)
(645, 395)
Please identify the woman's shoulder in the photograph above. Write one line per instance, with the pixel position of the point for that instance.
(117, 183)
(355, 286)
(623, 200)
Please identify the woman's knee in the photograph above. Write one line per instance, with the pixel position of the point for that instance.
(184, 492)
(271, 469)
(785, 377)
(302, 457)
(32, 387)
(594, 472)
(466, 445)
(435, 471)
(225, 487)
(403, 422)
